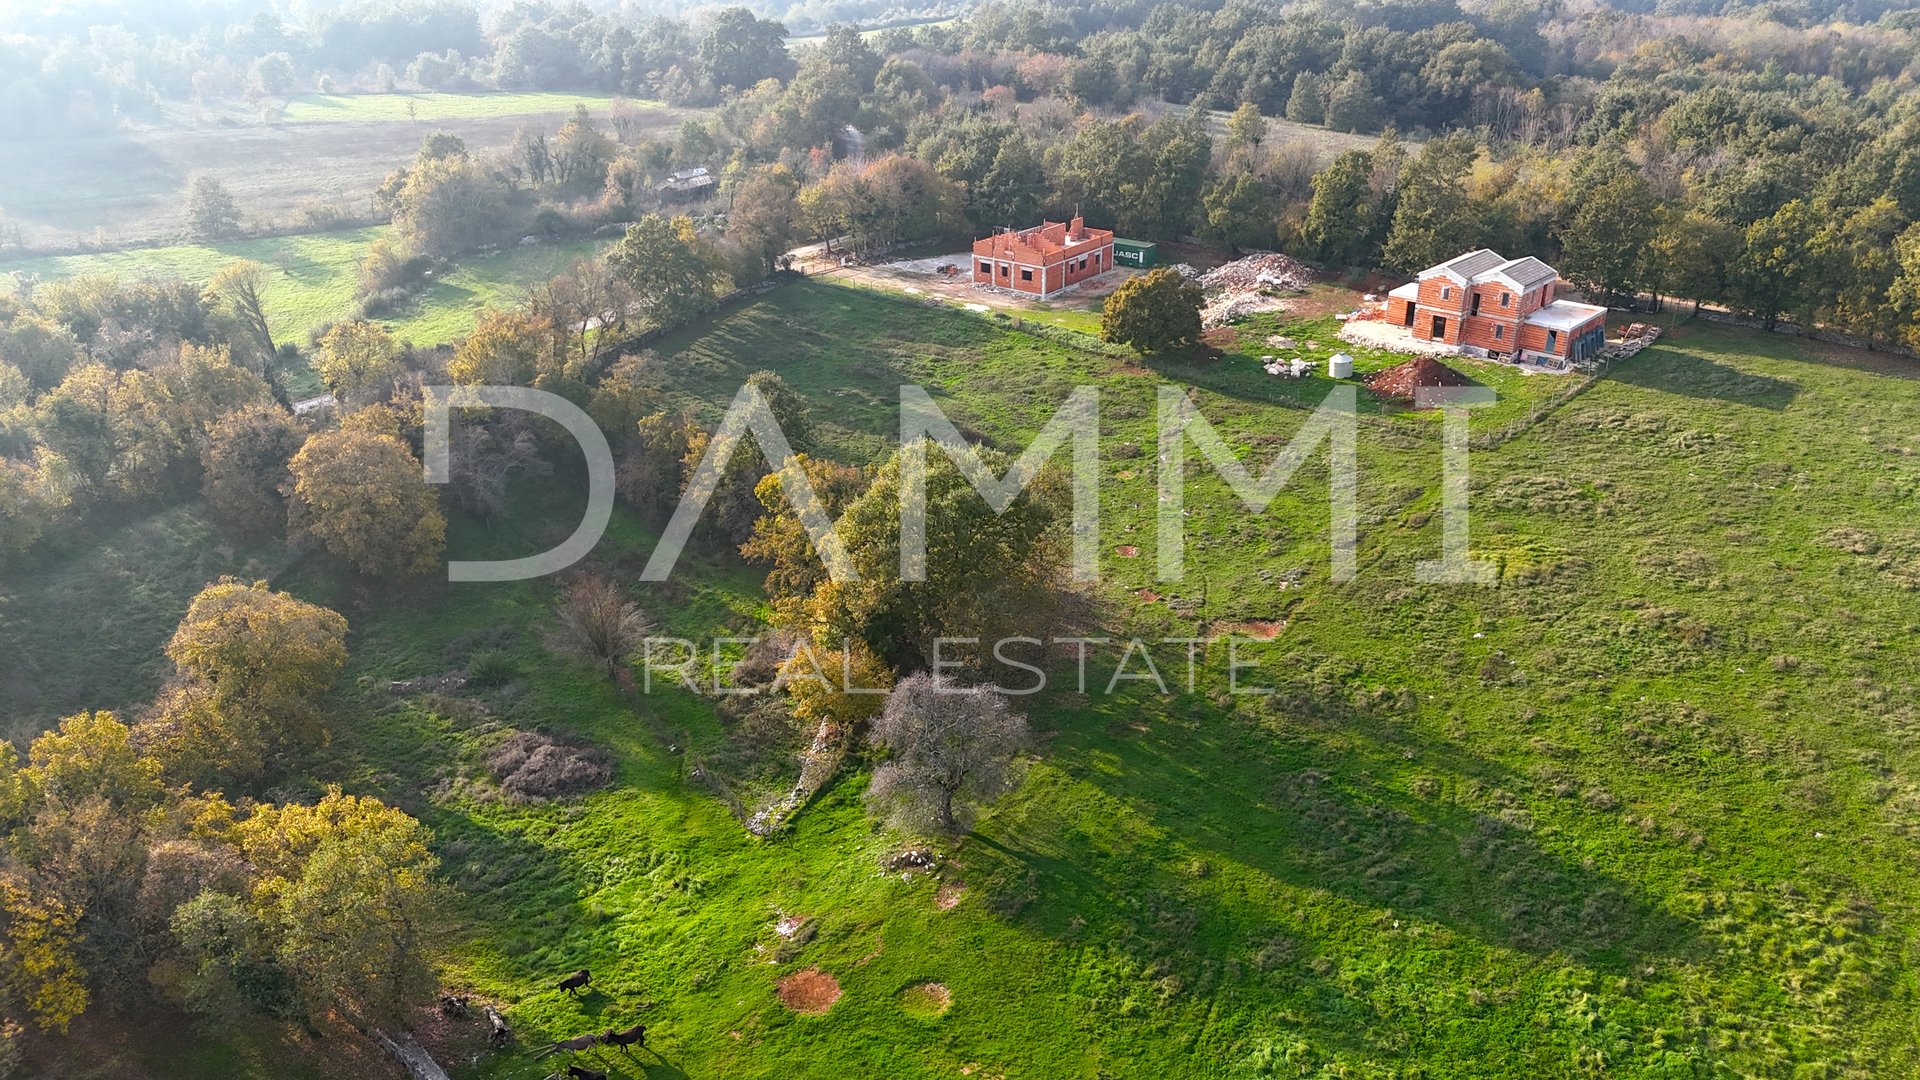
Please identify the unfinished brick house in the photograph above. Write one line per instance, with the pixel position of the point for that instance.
(1043, 260)
(1499, 307)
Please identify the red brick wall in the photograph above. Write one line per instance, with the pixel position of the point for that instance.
(1432, 288)
(1478, 331)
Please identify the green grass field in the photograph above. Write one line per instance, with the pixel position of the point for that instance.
(435, 106)
(1645, 807)
(314, 276)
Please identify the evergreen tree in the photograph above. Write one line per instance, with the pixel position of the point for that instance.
(1434, 219)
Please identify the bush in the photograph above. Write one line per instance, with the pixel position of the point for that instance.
(491, 668)
(531, 766)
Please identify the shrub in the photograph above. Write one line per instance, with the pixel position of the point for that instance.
(491, 668)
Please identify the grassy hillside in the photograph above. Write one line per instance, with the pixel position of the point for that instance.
(433, 106)
(315, 275)
(1646, 807)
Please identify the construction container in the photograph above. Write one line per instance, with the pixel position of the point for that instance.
(1339, 366)
(1135, 253)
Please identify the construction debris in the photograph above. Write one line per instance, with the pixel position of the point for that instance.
(1257, 272)
(1246, 286)
(1635, 337)
(1403, 381)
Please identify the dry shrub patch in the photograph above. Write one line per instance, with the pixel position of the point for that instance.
(927, 999)
(529, 765)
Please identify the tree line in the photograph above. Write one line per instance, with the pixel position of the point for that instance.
(141, 863)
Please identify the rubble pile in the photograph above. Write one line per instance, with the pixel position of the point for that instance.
(1257, 272)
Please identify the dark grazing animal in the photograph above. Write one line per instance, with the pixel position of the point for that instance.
(633, 1036)
(575, 1045)
(573, 983)
(578, 1073)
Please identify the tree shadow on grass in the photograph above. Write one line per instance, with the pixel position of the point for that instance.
(1674, 371)
(1313, 808)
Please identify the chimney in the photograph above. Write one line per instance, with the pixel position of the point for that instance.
(1077, 228)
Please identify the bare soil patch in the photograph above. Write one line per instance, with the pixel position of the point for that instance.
(809, 991)
(948, 895)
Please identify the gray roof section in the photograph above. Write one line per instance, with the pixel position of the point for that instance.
(1467, 267)
(1528, 273)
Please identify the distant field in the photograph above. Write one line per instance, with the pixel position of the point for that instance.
(316, 273)
(815, 39)
(126, 185)
(1327, 143)
(431, 107)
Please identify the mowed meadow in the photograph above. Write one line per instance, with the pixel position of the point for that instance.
(1646, 806)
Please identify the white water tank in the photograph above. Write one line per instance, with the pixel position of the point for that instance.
(1339, 366)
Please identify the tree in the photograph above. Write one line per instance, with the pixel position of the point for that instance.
(1904, 294)
(598, 623)
(1341, 214)
(358, 361)
(765, 216)
(442, 145)
(32, 497)
(1691, 255)
(1859, 256)
(988, 575)
(273, 74)
(258, 650)
(581, 152)
(1434, 219)
(1774, 273)
(41, 348)
(348, 886)
(508, 347)
(448, 205)
(363, 497)
(243, 468)
(833, 689)
(1240, 210)
(738, 49)
(780, 539)
(38, 963)
(652, 463)
(1604, 244)
(669, 267)
(238, 287)
(1352, 104)
(1307, 104)
(1157, 312)
(1246, 128)
(210, 210)
(949, 750)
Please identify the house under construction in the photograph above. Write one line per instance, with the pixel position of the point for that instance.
(1499, 307)
(1043, 260)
